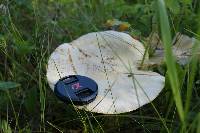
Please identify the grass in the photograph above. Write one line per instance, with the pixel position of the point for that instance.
(30, 30)
(170, 60)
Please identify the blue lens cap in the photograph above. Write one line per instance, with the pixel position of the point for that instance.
(76, 89)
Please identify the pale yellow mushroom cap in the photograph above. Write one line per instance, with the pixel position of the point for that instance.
(111, 59)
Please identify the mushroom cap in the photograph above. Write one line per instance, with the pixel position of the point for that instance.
(182, 48)
(111, 59)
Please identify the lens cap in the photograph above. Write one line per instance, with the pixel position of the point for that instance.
(76, 89)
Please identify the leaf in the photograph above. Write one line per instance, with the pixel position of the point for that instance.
(5, 127)
(187, 1)
(31, 99)
(117, 25)
(2, 42)
(173, 5)
(8, 85)
(23, 47)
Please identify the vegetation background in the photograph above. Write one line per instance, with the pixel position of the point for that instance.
(31, 29)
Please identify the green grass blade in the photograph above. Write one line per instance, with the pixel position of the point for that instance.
(191, 77)
(170, 61)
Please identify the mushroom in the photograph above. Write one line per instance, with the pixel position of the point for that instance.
(182, 49)
(112, 59)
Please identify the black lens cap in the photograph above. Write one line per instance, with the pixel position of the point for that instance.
(76, 89)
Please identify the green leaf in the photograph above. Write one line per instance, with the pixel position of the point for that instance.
(5, 127)
(173, 6)
(187, 1)
(8, 85)
(30, 100)
(23, 47)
